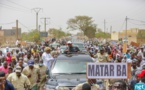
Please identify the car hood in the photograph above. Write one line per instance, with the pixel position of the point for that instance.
(67, 80)
(72, 82)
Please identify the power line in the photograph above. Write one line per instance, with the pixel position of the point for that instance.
(137, 24)
(18, 4)
(122, 25)
(12, 9)
(24, 26)
(137, 10)
(11, 6)
(132, 10)
(6, 23)
(137, 20)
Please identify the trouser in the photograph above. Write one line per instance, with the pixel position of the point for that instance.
(40, 86)
(34, 88)
(42, 82)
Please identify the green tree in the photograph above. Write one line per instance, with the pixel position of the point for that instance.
(90, 31)
(84, 24)
(33, 35)
(103, 35)
(58, 33)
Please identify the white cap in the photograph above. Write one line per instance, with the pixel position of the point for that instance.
(69, 42)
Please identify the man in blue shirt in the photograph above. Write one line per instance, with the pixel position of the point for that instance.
(71, 48)
(128, 54)
(4, 84)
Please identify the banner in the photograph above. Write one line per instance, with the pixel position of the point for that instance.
(108, 71)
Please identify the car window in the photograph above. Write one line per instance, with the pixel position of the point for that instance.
(70, 66)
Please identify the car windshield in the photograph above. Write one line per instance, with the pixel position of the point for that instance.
(62, 47)
(79, 45)
(70, 66)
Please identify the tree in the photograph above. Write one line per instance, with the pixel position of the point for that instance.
(90, 31)
(103, 35)
(33, 35)
(84, 24)
(57, 33)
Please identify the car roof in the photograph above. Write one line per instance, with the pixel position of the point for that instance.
(84, 57)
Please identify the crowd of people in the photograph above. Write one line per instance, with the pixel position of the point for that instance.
(114, 53)
(25, 69)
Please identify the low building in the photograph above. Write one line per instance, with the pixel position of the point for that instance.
(9, 35)
(133, 35)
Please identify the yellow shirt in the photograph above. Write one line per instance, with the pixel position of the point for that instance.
(34, 51)
(19, 83)
(42, 71)
(34, 75)
(102, 58)
(43, 76)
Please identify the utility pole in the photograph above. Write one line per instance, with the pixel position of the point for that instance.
(37, 10)
(17, 30)
(107, 30)
(39, 28)
(45, 19)
(126, 28)
(104, 26)
(110, 29)
(39, 32)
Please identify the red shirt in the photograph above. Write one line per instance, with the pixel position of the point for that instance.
(9, 59)
(4, 69)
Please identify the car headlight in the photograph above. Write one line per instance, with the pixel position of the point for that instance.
(62, 88)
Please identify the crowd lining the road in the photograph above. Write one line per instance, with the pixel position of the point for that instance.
(26, 68)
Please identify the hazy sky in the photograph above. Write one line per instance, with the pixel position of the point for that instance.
(113, 11)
